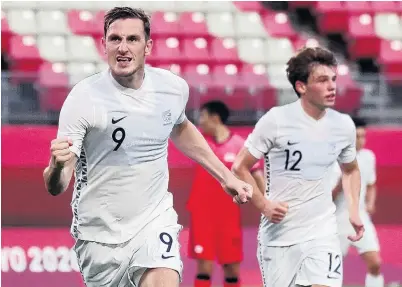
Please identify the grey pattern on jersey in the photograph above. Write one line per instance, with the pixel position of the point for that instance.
(81, 175)
(120, 136)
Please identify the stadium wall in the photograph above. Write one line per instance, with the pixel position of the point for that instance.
(25, 153)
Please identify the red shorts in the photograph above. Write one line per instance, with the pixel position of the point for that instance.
(212, 236)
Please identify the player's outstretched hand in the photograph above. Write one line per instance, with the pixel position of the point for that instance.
(241, 191)
(357, 226)
(60, 152)
(276, 211)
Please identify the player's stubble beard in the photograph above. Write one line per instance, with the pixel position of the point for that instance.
(127, 79)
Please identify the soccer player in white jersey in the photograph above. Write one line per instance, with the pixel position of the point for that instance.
(113, 130)
(368, 247)
(298, 242)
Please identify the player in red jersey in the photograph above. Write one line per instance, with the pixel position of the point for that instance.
(215, 227)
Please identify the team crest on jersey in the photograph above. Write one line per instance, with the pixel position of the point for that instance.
(167, 117)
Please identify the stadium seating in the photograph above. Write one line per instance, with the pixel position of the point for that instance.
(372, 29)
(234, 51)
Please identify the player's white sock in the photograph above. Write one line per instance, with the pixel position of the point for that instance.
(374, 281)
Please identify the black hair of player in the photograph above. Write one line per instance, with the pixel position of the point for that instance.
(359, 122)
(127, 13)
(217, 108)
(300, 66)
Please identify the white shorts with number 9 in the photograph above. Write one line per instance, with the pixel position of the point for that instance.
(118, 265)
(317, 261)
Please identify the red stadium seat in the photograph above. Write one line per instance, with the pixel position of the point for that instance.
(196, 50)
(199, 79)
(174, 68)
(356, 8)
(54, 86)
(83, 23)
(98, 22)
(349, 93)
(385, 6)
(249, 6)
(278, 25)
(192, 25)
(6, 33)
(261, 95)
(363, 41)
(223, 51)
(166, 51)
(300, 42)
(225, 87)
(391, 59)
(332, 17)
(24, 54)
(165, 25)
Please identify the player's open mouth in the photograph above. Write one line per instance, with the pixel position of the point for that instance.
(124, 59)
(330, 97)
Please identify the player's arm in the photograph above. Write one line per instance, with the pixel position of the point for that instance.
(337, 189)
(371, 196)
(371, 193)
(242, 169)
(351, 185)
(336, 181)
(76, 116)
(351, 181)
(58, 174)
(191, 142)
(258, 176)
(259, 142)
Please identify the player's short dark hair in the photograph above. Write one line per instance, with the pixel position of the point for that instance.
(217, 108)
(359, 122)
(127, 13)
(300, 66)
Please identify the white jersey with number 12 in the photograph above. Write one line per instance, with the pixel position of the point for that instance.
(299, 154)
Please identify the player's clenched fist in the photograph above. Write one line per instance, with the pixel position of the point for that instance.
(60, 152)
(276, 211)
(240, 191)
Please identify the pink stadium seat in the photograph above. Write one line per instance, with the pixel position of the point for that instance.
(278, 25)
(385, 6)
(6, 33)
(249, 6)
(332, 17)
(301, 41)
(199, 79)
(363, 41)
(167, 51)
(83, 23)
(349, 93)
(391, 59)
(174, 68)
(356, 8)
(261, 95)
(54, 86)
(192, 25)
(225, 86)
(223, 51)
(24, 54)
(98, 22)
(164, 25)
(196, 50)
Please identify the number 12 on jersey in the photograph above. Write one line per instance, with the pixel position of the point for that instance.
(296, 156)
